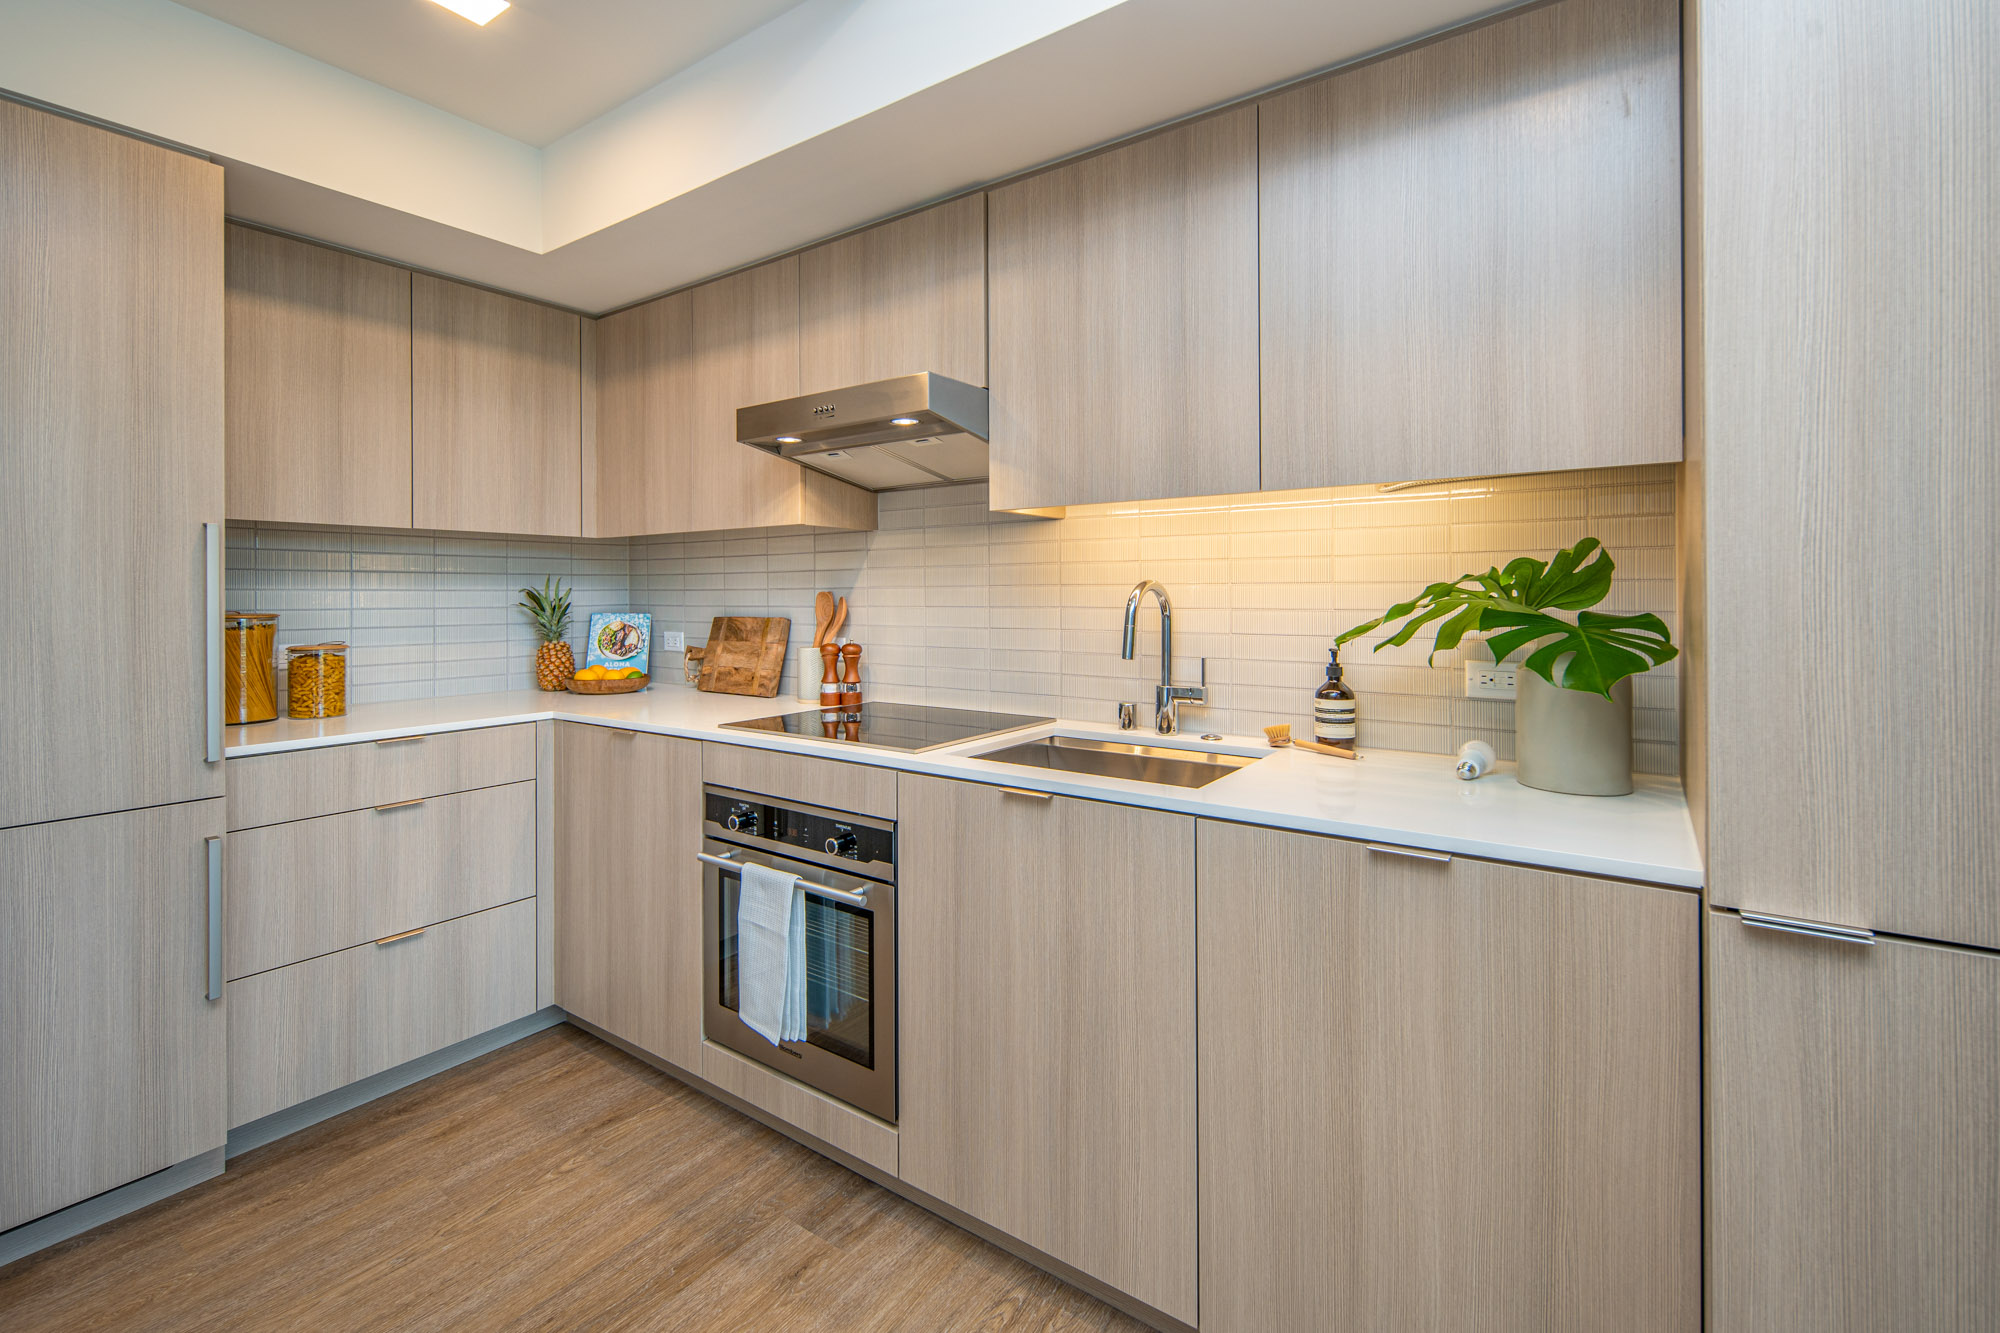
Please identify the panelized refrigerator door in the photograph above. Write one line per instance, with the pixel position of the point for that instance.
(110, 465)
(112, 1054)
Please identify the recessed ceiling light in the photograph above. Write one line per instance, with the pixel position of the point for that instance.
(902, 421)
(481, 12)
(789, 439)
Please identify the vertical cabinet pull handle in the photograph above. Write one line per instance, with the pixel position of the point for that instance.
(214, 918)
(211, 542)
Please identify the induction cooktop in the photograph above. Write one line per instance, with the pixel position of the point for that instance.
(911, 728)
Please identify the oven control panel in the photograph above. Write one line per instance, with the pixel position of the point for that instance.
(824, 833)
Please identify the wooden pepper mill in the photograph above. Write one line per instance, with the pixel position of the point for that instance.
(829, 681)
(850, 686)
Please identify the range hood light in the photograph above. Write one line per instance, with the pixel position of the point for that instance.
(903, 421)
(789, 439)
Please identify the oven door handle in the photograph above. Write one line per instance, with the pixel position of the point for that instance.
(817, 890)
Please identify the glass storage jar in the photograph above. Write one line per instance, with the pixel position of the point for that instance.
(318, 684)
(249, 685)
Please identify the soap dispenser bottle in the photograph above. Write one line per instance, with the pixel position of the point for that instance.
(1333, 707)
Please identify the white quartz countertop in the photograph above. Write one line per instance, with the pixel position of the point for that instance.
(1391, 796)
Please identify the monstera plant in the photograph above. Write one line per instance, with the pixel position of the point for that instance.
(1518, 605)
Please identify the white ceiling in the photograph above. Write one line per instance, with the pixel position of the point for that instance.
(826, 115)
(538, 71)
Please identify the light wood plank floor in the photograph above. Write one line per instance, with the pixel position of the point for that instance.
(555, 1184)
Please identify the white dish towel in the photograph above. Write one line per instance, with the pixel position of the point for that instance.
(771, 954)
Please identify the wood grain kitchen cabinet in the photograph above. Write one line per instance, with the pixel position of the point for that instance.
(1851, 411)
(1853, 1157)
(297, 1032)
(1443, 1094)
(1047, 1019)
(670, 375)
(1470, 254)
(110, 463)
(628, 954)
(1124, 322)
(328, 780)
(318, 376)
(496, 401)
(896, 299)
(315, 886)
(111, 1054)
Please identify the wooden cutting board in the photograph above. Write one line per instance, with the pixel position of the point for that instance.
(745, 655)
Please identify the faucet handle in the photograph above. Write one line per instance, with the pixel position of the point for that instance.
(1194, 694)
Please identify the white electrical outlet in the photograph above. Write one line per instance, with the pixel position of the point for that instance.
(671, 641)
(1489, 680)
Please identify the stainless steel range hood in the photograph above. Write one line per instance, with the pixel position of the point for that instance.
(892, 435)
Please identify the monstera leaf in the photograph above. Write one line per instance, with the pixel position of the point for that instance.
(1518, 601)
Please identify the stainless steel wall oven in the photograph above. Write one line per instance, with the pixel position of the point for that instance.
(847, 865)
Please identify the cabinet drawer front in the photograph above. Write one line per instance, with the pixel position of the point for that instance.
(304, 784)
(299, 1031)
(862, 788)
(314, 886)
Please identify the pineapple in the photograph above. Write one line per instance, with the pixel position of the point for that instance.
(549, 609)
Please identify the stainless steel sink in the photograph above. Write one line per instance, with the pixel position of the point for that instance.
(1165, 764)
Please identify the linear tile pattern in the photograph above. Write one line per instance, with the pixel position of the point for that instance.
(554, 1184)
(956, 605)
(425, 613)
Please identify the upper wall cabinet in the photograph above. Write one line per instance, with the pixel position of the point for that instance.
(907, 296)
(670, 375)
(1124, 322)
(1471, 254)
(318, 376)
(496, 424)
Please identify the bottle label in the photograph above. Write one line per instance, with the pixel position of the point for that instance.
(1333, 720)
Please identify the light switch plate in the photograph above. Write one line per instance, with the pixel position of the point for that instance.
(671, 641)
(1489, 680)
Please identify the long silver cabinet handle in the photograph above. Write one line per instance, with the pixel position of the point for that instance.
(1414, 853)
(816, 890)
(1819, 930)
(401, 805)
(1031, 795)
(397, 740)
(214, 918)
(211, 629)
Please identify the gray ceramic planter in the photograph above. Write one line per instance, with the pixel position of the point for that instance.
(1570, 741)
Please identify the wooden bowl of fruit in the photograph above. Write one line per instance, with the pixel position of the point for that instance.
(608, 680)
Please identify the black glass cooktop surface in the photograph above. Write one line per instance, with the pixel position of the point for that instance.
(907, 727)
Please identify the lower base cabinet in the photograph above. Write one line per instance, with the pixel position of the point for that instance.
(1047, 1059)
(111, 1054)
(1854, 1134)
(628, 951)
(1443, 1095)
(296, 1032)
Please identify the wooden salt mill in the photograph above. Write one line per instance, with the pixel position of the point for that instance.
(850, 686)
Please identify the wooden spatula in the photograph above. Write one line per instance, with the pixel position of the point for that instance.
(822, 617)
(839, 619)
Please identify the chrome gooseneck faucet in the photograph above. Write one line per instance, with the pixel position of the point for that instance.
(1167, 696)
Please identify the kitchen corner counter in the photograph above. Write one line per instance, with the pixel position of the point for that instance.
(1391, 796)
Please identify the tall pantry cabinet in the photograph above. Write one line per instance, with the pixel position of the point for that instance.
(1844, 407)
(111, 444)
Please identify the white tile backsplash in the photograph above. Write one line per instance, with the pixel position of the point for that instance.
(955, 605)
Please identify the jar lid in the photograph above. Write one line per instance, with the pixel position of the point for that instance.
(258, 616)
(299, 648)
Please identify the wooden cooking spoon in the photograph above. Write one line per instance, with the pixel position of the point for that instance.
(839, 619)
(822, 617)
